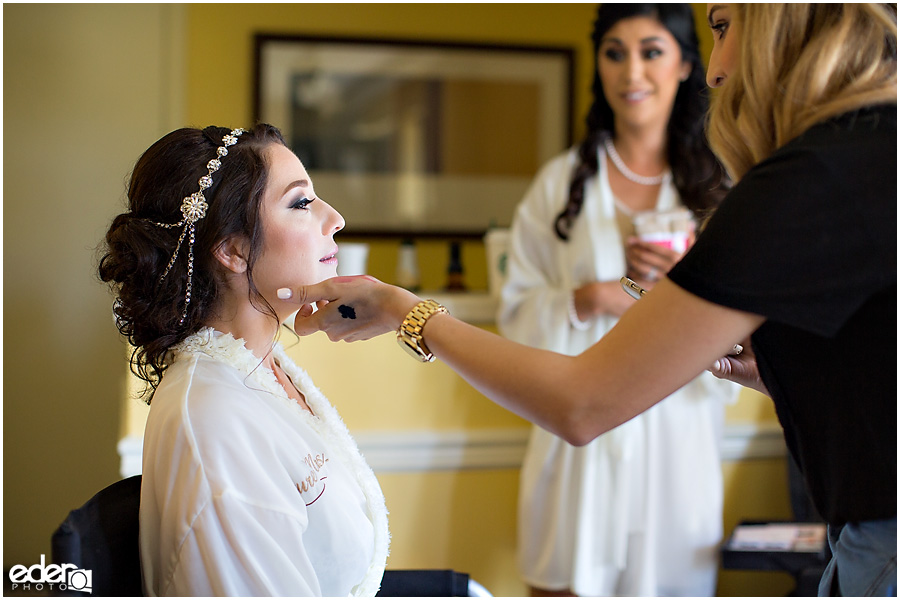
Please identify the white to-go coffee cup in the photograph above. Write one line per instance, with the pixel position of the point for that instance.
(352, 258)
(496, 245)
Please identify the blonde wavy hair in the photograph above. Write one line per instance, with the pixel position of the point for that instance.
(800, 64)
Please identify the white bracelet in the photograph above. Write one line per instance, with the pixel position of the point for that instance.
(573, 314)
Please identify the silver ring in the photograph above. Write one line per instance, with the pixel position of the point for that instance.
(653, 274)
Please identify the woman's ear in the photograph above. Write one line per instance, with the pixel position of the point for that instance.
(231, 252)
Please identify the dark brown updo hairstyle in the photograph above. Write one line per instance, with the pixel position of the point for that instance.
(148, 310)
(698, 176)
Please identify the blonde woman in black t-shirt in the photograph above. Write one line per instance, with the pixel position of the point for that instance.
(801, 258)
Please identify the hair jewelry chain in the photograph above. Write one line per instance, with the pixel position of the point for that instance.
(193, 208)
(624, 170)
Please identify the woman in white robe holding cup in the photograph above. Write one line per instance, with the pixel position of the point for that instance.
(638, 511)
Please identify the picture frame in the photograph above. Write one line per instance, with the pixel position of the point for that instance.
(412, 138)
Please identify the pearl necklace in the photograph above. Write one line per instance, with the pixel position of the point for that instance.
(628, 173)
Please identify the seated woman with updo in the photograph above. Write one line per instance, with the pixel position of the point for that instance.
(252, 485)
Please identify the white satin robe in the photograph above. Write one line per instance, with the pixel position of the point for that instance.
(245, 493)
(638, 511)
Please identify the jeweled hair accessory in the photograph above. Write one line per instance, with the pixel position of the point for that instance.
(194, 208)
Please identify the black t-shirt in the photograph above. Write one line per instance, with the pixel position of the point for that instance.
(808, 239)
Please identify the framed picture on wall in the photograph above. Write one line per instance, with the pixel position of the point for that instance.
(416, 138)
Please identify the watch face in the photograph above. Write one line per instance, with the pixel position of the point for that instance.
(413, 351)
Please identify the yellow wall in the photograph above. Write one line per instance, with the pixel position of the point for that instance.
(377, 386)
(87, 88)
(754, 490)
(220, 73)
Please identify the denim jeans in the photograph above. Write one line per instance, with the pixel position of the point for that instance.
(864, 560)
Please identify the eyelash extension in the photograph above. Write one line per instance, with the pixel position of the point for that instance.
(302, 203)
(720, 29)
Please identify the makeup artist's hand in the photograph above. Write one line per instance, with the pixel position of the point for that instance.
(741, 368)
(349, 308)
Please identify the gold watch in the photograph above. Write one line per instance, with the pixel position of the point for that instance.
(409, 336)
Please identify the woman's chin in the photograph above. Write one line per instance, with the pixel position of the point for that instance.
(330, 271)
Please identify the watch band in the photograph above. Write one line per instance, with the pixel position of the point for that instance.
(409, 336)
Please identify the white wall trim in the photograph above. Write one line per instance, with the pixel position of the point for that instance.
(748, 441)
(130, 453)
(417, 451)
(402, 451)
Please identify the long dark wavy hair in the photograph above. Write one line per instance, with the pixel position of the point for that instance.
(698, 176)
(136, 252)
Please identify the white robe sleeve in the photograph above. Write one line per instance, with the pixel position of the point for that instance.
(533, 309)
(239, 549)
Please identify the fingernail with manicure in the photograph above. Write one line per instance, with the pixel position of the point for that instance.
(284, 293)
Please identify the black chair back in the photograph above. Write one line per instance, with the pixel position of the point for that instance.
(102, 537)
(424, 582)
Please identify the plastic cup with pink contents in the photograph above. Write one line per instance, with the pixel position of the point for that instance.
(671, 229)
